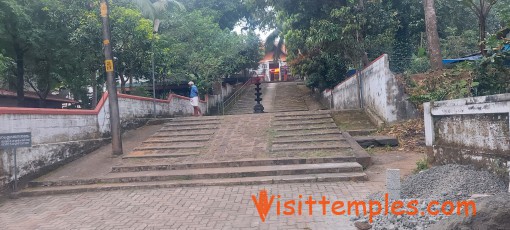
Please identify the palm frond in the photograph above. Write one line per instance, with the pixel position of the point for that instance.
(162, 5)
(146, 7)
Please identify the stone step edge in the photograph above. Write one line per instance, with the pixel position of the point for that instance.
(276, 124)
(325, 177)
(151, 156)
(204, 118)
(240, 163)
(149, 148)
(149, 141)
(329, 132)
(306, 128)
(181, 134)
(167, 129)
(189, 124)
(301, 118)
(302, 113)
(212, 173)
(311, 148)
(330, 139)
(361, 132)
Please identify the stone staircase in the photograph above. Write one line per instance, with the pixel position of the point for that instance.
(306, 147)
(246, 172)
(179, 138)
(303, 134)
(287, 144)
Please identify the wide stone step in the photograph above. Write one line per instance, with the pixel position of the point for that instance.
(309, 141)
(154, 154)
(194, 128)
(298, 114)
(310, 134)
(323, 177)
(307, 128)
(304, 122)
(316, 153)
(198, 119)
(361, 132)
(211, 173)
(300, 118)
(171, 134)
(240, 163)
(154, 140)
(170, 146)
(190, 124)
(308, 147)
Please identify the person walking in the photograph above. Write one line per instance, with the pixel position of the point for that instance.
(193, 95)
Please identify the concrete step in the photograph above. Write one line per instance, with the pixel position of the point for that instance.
(204, 118)
(310, 141)
(298, 114)
(190, 139)
(300, 118)
(241, 163)
(361, 132)
(322, 177)
(188, 128)
(309, 134)
(154, 154)
(170, 146)
(307, 128)
(171, 134)
(310, 147)
(316, 153)
(191, 124)
(304, 122)
(210, 173)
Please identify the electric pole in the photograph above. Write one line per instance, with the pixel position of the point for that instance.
(110, 82)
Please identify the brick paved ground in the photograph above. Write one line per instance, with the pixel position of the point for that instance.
(180, 208)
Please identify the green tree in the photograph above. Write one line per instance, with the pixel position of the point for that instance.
(481, 9)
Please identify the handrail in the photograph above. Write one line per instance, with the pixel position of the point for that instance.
(230, 101)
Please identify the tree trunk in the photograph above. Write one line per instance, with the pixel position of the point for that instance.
(482, 26)
(122, 81)
(94, 90)
(130, 83)
(20, 75)
(434, 50)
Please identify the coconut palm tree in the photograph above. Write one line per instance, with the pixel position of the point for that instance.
(152, 9)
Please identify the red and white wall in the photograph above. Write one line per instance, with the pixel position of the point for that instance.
(59, 135)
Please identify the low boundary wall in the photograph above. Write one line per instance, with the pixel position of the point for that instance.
(470, 131)
(61, 135)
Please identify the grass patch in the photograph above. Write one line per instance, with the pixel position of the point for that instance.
(421, 165)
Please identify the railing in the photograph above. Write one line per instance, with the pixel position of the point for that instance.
(230, 101)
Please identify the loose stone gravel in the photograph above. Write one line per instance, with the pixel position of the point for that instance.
(442, 183)
(451, 182)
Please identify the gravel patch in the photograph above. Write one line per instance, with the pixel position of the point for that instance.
(451, 182)
(442, 183)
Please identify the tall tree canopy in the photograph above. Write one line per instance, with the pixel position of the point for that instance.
(50, 45)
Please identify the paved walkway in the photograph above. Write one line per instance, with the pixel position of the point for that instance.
(180, 208)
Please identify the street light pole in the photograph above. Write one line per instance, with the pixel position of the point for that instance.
(110, 82)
